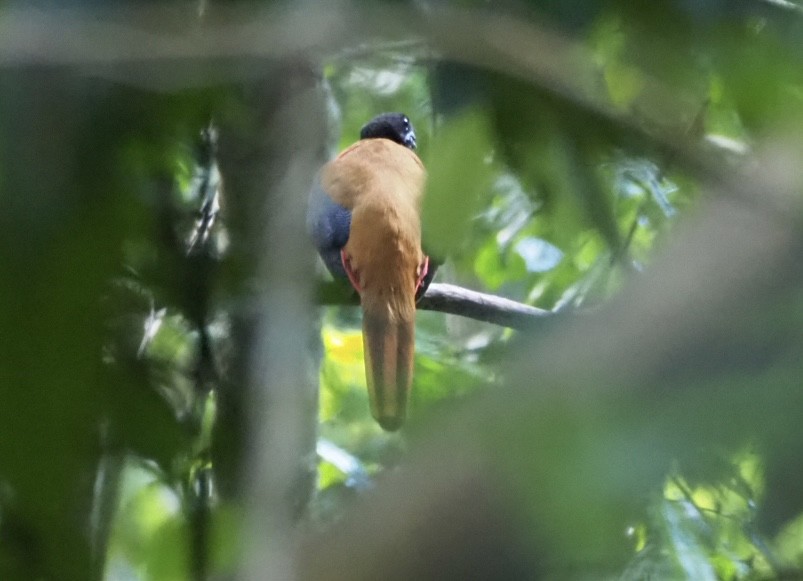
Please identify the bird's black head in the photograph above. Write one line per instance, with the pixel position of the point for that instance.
(393, 126)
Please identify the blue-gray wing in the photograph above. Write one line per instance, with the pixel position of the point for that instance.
(329, 225)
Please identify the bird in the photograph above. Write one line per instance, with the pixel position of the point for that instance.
(364, 219)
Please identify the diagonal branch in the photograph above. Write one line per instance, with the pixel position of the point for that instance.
(455, 300)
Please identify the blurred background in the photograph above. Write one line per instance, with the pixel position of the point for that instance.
(182, 392)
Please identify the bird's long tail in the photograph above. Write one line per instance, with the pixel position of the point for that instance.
(389, 347)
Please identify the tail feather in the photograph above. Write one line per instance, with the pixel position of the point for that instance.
(389, 347)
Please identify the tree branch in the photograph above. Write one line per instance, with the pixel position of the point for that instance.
(455, 300)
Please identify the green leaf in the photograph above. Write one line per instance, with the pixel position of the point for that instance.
(460, 177)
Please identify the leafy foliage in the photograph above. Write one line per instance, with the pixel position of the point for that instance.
(557, 178)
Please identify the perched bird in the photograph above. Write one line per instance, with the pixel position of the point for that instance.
(364, 219)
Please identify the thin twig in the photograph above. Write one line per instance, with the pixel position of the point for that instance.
(784, 5)
(199, 517)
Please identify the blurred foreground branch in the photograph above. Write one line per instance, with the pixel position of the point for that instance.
(264, 436)
(167, 48)
(710, 327)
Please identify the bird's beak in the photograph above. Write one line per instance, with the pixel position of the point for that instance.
(409, 140)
